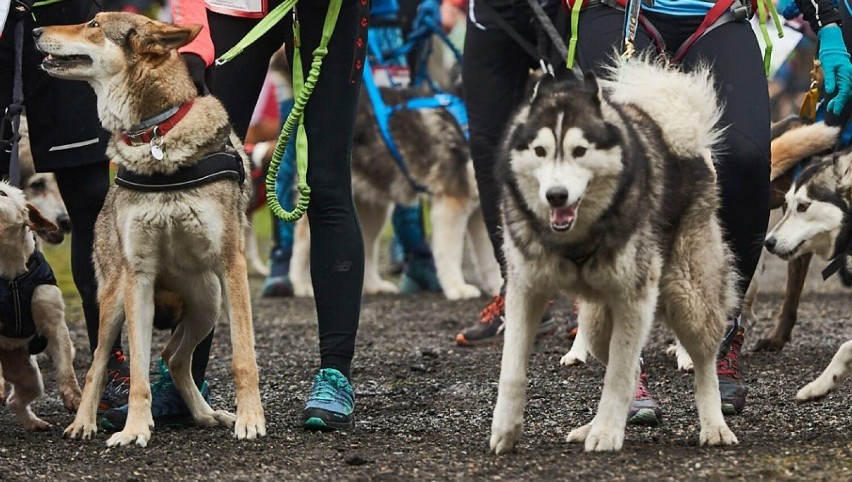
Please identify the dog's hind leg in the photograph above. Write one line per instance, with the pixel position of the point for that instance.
(834, 373)
(797, 271)
(578, 352)
(251, 422)
(524, 307)
(373, 217)
(631, 324)
(111, 320)
(300, 262)
(49, 315)
(139, 310)
(253, 254)
(23, 374)
(487, 268)
(449, 223)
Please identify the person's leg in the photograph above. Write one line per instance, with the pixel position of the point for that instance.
(337, 247)
(418, 272)
(743, 172)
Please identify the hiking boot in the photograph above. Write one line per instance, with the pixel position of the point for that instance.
(644, 410)
(732, 387)
(419, 274)
(490, 328)
(167, 407)
(331, 403)
(117, 387)
(278, 284)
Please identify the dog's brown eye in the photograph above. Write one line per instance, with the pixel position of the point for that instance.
(578, 151)
(94, 24)
(540, 151)
(802, 207)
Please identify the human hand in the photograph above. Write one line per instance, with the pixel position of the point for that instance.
(836, 67)
(197, 70)
(788, 9)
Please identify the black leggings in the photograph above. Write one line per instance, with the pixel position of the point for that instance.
(499, 71)
(337, 247)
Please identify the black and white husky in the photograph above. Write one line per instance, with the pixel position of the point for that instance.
(610, 193)
(818, 220)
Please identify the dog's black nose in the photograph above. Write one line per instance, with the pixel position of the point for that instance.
(37, 32)
(557, 196)
(64, 223)
(770, 244)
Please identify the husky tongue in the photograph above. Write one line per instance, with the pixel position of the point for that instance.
(563, 216)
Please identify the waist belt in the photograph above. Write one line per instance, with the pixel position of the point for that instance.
(211, 168)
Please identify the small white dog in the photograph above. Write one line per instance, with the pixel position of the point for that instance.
(32, 312)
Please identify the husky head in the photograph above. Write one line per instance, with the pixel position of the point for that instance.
(559, 148)
(818, 213)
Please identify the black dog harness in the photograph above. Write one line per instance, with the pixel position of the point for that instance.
(16, 296)
(211, 168)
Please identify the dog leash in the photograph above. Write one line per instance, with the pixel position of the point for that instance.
(302, 89)
(16, 108)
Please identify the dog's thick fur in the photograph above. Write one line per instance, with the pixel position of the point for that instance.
(189, 242)
(438, 157)
(818, 221)
(18, 220)
(595, 203)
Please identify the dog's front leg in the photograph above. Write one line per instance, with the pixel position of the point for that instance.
(834, 373)
(524, 306)
(49, 315)
(632, 321)
(251, 422)
(139, 310)
(111, 316)
(449, 223)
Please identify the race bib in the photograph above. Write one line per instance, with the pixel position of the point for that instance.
(238, 8)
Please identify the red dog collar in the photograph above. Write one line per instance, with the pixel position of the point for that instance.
(144, 137)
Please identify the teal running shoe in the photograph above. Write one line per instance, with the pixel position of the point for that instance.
(419, 274)
(331, 403)
(167, 407)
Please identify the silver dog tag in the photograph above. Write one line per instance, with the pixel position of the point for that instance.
(157, 151)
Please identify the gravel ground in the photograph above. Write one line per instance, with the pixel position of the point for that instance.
(424, 408)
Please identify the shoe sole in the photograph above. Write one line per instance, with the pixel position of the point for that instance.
(644, 417)
(547, 328)
(316, 423)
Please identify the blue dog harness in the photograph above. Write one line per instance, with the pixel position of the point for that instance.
(16, 296)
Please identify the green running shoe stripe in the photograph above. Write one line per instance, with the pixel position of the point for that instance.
(315, 422)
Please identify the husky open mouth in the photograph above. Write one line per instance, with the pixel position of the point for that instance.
(60, 62)
(562, 218)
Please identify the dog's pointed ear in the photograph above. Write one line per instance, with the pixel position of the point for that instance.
(37, 222)
(158, 38)
(541, 86)
(843, 171)
(590, 81)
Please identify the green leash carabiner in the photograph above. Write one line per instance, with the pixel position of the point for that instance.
(302, 89)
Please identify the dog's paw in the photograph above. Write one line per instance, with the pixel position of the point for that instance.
(83, 431)
(605, 439)
(571, 358)
(504, 436)
(578, 435)
(129, 436)
(217, 417)
(815, 390)
(684, 361)
(71, 398)
(718, 435)
(380, 286)
(249, 425)
(35, 424)
(461, 291)
(304, 291)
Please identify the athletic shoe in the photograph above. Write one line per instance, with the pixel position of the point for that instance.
(397, 256)
(644, 410)
(117, 387)
(419, 274)
(331, 403)
(732, 386)
(278, 284)
(167, 407)
(490, 327)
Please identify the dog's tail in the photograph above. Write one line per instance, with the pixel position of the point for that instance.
(799, 143)
(684, 104)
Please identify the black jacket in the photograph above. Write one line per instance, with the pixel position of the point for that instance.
(16, 296)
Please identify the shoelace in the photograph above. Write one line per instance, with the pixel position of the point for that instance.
(493, 311)
(329, 387)
(728, 365)
(642, 392)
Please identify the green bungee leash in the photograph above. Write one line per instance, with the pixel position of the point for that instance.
(302, 89)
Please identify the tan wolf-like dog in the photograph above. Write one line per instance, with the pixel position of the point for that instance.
(188, 241)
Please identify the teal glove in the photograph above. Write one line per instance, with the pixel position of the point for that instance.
(836, 67)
